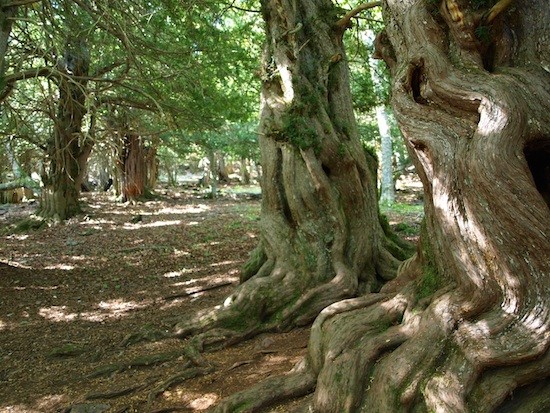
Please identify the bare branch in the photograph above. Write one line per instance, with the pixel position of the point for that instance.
(344, 21)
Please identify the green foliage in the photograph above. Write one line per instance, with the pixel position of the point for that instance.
(406, 229)
(403, 208)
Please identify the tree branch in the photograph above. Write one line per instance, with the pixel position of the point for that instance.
(28, 74)
(17, 3)
(498, 8)
(344, 21)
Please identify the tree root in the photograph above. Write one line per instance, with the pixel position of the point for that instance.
(298, 382)
(392, 351)
(117, 393)
(176, 379)
(143, 361)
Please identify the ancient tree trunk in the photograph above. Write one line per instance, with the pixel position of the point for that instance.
(465, 327)
(68, 150)
(132, 167)
(321, 238)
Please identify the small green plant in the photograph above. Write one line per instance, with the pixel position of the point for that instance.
(406, 229)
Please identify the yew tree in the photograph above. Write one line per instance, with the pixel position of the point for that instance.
(464, 327)
(321, 236)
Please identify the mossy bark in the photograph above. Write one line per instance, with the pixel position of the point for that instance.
(321, 237)
(68, 150)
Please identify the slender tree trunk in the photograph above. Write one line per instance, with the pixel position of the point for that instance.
(213, 173)
(69, 150)
(387, 184)
(245, 173)
(465, 326)
(321, 238)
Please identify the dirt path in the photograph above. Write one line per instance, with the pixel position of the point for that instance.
(73, 295)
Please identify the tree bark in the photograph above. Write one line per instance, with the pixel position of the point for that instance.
(132, 166)
(6, 15)
(151, 164)
(465, 326)
(68, 150)
(321, 237)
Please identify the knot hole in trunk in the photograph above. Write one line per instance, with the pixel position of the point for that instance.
(537, 154)
(418, 82)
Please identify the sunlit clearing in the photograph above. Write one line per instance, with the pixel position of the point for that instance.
(3, 325)
(16, 264)
(162, 223)
(196, 401)
(151, 224)
(211, 279)
(51, 402)
(60, 267)
(111, 309)
(18, 237)
(96, 221)
(188, 209)
(219, 264)
(180, 253)
(174, 274)
(37, 287)
(57, 314)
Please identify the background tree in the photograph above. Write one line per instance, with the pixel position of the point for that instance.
(465, 325)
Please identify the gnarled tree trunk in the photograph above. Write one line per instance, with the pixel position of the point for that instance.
(68, 149)
(465, 326)
(321, 237)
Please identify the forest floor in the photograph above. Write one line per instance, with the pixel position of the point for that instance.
(73, 295)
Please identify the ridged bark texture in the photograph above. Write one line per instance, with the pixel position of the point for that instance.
(321, 237)
(68, 149)
(465, 326)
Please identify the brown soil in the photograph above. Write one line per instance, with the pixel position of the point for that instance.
(73, 295)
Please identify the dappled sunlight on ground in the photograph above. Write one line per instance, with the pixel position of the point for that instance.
(195, 401)
(71, 293)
